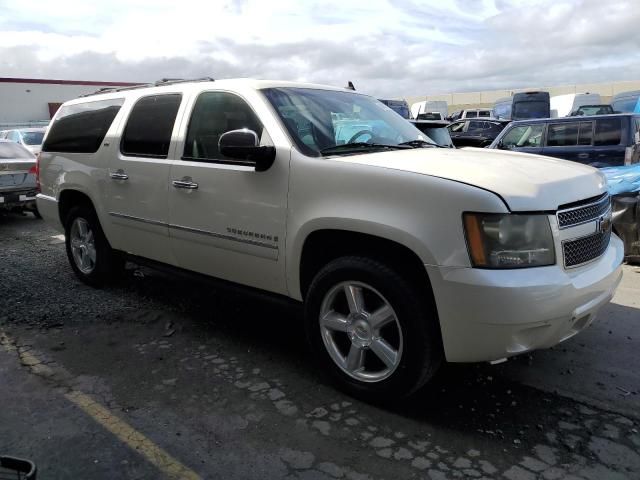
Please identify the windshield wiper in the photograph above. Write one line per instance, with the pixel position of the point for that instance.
(356, 146)
(421, 143)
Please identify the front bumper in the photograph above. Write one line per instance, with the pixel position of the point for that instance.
(18, 199)
(487, 315)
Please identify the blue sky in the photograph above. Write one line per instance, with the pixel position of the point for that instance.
(387, 48)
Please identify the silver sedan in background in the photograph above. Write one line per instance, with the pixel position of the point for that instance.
(18, 183)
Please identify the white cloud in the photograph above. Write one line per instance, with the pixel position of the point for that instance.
(389, 48)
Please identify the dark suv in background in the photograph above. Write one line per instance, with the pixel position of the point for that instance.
(599, 140)
(475, 133)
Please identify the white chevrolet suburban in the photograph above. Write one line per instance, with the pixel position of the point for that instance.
(404, 254)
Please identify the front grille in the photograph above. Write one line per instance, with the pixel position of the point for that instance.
(584, 213)
(583, 250)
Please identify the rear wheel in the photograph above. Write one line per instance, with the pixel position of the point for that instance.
(90, 255)
(375, 333)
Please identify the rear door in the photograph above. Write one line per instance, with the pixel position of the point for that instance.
(609, 143)
(138, 177)
(570, 141)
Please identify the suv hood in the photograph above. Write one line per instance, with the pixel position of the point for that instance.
(526, 182)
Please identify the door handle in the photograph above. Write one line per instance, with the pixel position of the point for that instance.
(583, 155)
(119, 175)
(185, 183)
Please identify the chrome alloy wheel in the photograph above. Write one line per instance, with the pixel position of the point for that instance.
(360, 331)
(83, 245)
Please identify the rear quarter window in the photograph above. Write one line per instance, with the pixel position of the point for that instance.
(608, 131)
(81, 128)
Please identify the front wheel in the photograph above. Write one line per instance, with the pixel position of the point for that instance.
(90, 255)
(373, 331)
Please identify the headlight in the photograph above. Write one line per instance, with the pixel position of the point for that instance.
(509, 240)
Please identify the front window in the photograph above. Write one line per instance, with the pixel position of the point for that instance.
(321, 120)
(523, 136)
(32, 138)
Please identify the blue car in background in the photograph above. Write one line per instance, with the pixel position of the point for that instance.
(626, 102)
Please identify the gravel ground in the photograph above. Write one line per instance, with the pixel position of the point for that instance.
(224, 383)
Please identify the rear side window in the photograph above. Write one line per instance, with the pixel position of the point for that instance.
(81, 128)
(148, 130)
(471, 114)
(608, 131)
(562, 134)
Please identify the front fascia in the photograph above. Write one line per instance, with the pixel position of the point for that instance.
(421, 212)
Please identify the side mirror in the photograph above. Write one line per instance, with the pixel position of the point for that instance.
(244, 144)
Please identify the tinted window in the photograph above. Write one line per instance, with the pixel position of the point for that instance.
(214, 114)
(81, 128)
(608, 131)
(534, 109)
(13, 150)
(523, 136)
(476, 125)
(562, 134)
(472, 114)
(484, 113)
(585, 136)
(148, 130)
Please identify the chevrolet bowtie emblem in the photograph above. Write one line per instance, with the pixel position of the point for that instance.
(604, 223)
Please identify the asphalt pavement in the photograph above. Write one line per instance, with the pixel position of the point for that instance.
(165, 377)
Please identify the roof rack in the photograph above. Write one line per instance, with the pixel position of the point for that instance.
(159, 83)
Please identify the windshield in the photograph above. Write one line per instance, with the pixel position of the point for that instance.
(10, 150)
(32, 138)
(318, 120)
(534, 109)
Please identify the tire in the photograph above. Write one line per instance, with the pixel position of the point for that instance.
(338, 331)
(89, 253)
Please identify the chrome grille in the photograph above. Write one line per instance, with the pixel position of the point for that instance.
(583, 250)
(584, 213)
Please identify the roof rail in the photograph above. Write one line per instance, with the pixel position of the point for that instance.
(159, 83)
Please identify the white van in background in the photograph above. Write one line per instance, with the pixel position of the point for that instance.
(430, 107)
(563, 105)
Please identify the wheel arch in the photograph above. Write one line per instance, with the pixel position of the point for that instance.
(323, 245)
(68, 199)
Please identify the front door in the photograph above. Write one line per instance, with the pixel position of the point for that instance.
(225, 219)
(138, 177)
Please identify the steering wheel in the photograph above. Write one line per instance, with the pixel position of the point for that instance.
(359, 134)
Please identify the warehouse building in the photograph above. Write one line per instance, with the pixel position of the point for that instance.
(30, 101)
